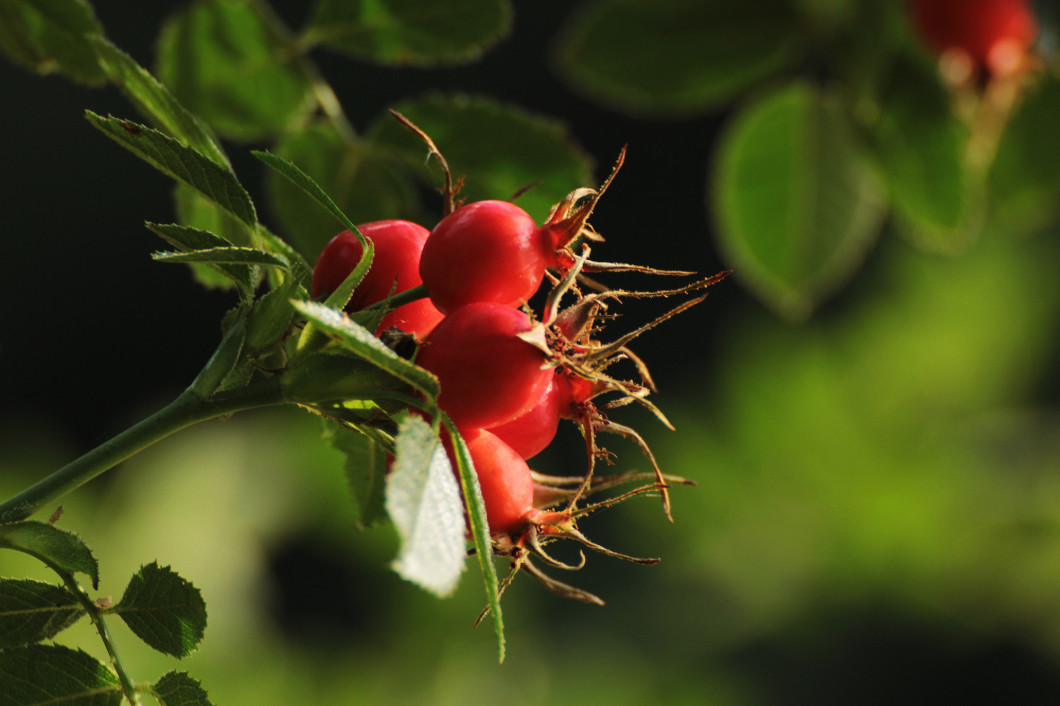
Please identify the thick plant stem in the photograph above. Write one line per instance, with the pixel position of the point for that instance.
(184, 411)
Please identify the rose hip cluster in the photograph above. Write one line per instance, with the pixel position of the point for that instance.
(506, 377)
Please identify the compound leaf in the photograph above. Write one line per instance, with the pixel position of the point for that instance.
(59, 549)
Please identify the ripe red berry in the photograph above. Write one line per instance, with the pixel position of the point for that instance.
(486, 251)
(505, 480)
(397, 254)
(995, 34)
(532, 431)
(488, 374)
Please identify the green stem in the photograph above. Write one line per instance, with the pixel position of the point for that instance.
(96, 615)
(184, 411)
(409, 295)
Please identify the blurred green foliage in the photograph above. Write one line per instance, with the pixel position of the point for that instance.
(878, 510)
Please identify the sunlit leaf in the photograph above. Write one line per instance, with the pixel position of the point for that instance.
(362, 183)
(182, 163)
(364, 344)
(31, 611)
(410, 32)
(191, 239)
(156, 102)
(52, 674)
(227, 63)
(675, 56)
(58, 548)
(228, 255)
(49, 36)
(526, 150)
(423, 500)
(179, 689)
(796, 206)
(164, 610)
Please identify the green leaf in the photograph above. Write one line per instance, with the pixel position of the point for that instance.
(31, 611)
(364, 344)
(675, 56)
(271, 317)
(423, 500)
(410, 32)
(49, 36)
(156, 102)
(480, 531)
(179, 689)
(52, 674)
(226, 255)
(230, 65)
(363, 183)
(59, 549)
(164, 610)
(182, 163)
(796, 206)
(525, 149)
(1025, 175)
(192, 239)
(365, 470)
(921, 146)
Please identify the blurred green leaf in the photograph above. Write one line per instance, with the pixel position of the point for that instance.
(31, 611)
(179, 689)
(49, 36)
(365, 468)
(423, 500)
(410, 32)
(1025, 178)
(182, 163)
(361, 182)
(921, 148)
(230, 64)
(675, 56)
(52, 674)
(795, 204)
(526, 150)
(479, 525)
(362, 343)
(57, 548)
(191, 239)
(156, 102)
(164, 610)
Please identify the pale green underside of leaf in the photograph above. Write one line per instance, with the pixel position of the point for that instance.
(362, 343)
(227, 64)
(52, 36)
(179, 689)
(410, 32)
(31, 611)
(58, 548)
(164, 610)
(526, 149)
(52, 674)
(182, 163)
(423, 500)
(796, 206)
(674, 56)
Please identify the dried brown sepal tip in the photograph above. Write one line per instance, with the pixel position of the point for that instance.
(449, 188)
